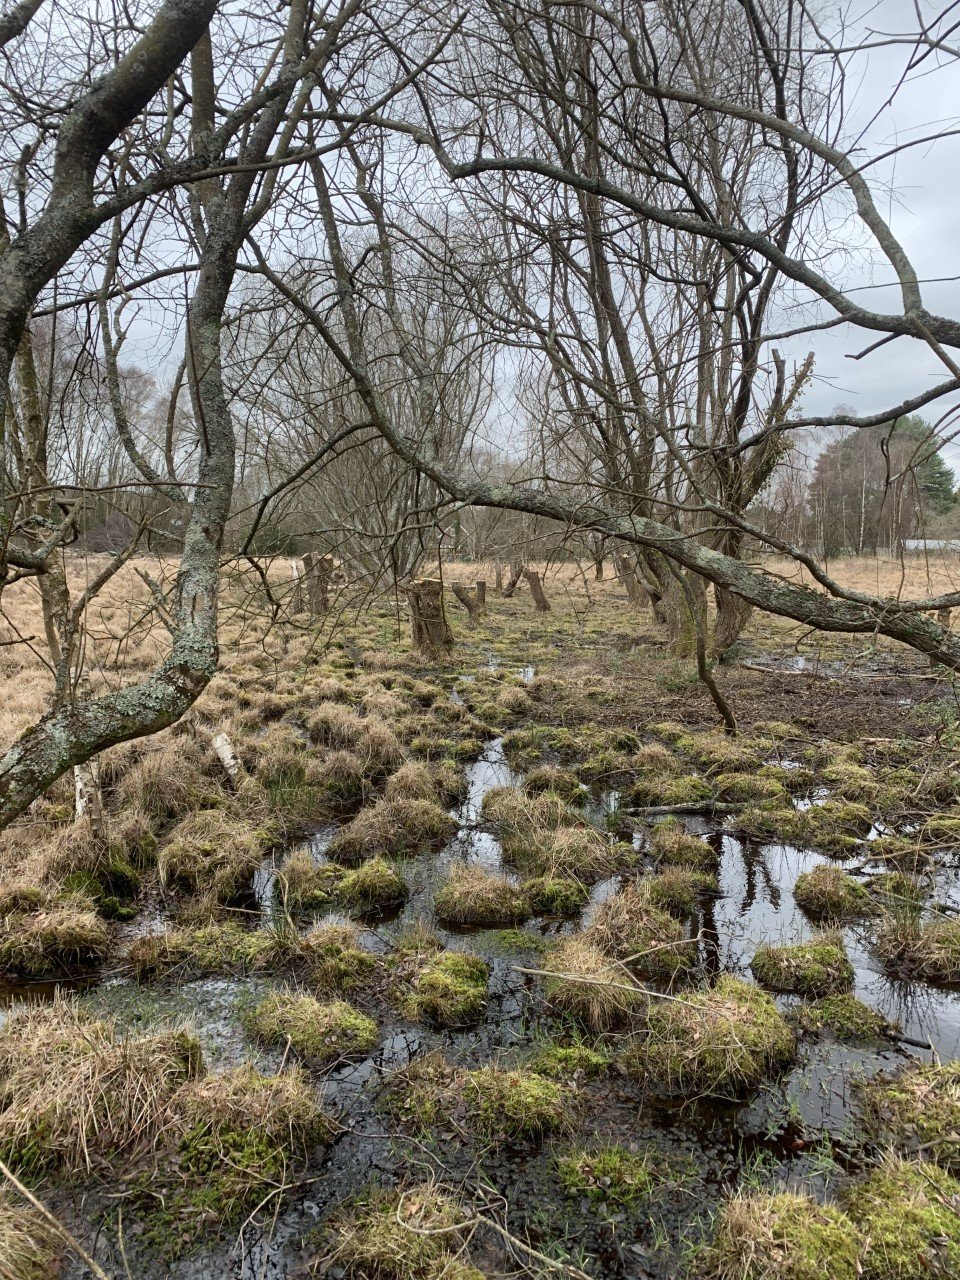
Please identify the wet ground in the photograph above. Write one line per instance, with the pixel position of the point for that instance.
(800, 1128)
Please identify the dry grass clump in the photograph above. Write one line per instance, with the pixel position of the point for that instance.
(65, 935)
(929, 952)
(559, 782)
(555, 895)
(166, 780)
(187, 953)
(392, 828)
(339, 782)
(586, 985)
(321, 1032)
(519, 817)
(471, 895)
(816, 968)
(373, 886)
(375, 743)
(671, 842)
(418, 1234)
(760, 1236)
(639, 934)
(75, 1094)
(679, 890)
(213, 854)
(828, 893)
(918, 1109)
(721, 1042)
(30, 1248)
(283, 1107)
(303, 884)
(416, 780)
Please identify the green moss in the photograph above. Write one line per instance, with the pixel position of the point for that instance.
(847, 1017)
(744, 787)
(724, 1042)
(612, 1176)
(373, 886)
(816, 968)
(512, 1105)
(305, 885)
(778, 823)
(515, 940)
(908, 1219)
(555, 896)
(451, 990)
(782, 1236)
(323, 1033)
(836, 826)
(919, 1108)
(683, 789)
(563, 1061)
(559, 782)
(330, 958)
(827, 893)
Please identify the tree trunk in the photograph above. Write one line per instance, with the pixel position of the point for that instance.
(468, 599)
(481, 594)
(943, 618)
(228, 757)
(498, 578)
(296, 600)
(536, 590)
(87, 800)
(598, 569)
(516, 573)
(428, 622)
(318, 572)
(733, 614)
(627, 574)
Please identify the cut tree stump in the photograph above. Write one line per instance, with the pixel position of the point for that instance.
(318, 574)
(428, 622)
(516, 573)
(472, 601)
(536, 590)
(627, 575)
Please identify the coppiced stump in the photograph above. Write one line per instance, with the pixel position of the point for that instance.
(429, 628)
(533, 581)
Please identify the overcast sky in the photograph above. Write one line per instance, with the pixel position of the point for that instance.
(924, 215)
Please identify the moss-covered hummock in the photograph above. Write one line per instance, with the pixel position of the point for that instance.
(303, 884)
(331, 959)
(565, 1061)
(908, 1214)
(212, 854)
(555, 895)
(917, 1109)
(473, 896)
(721, 1042)
(781, 1236)
(612, 1176)
(373, 886)
(414, 1234)
(515, 1105)
(679, 890)
(847, 1017)
(64, 936)
(450, 991)
(587, 985)
(320, 1032)
(187, 953)
(671, 842)
(559, 782)
(816, 968)
(828, 893)
(392, 828)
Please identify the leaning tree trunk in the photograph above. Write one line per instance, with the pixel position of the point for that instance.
(627, 574)
(516, 573)
(472, 601)
(536, 590)
(428, 622)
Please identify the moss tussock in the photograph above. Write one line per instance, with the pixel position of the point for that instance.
(473, 896)
(816, 968)
(828, 893)
(320, 1032)
(917, 1109)
(373, 886)
(784, 1236)
(450, 990)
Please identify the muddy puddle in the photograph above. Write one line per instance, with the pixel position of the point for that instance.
(801, 1128)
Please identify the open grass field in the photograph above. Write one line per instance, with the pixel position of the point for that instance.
(501, 962)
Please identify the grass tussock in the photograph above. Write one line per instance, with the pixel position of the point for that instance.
(75, 1094)
(335, 725)
(721, 1042)
(416, 1234)
(671, 842)
(820, 967)
(211, 854)
(331, 959)
(648, 940)
(473, 896)
(374, 886)
(829, 893)
(785, 1235)
(303, 884)
(586, 985)
(439, 782)
(918, 1109)
(928, 951)
(320, 1032)
(679, 891)
(186, 953)
(57, 939)
(908, 1215)
(555, 895)
(392, 828)
(450, 990)
(30, 1248)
